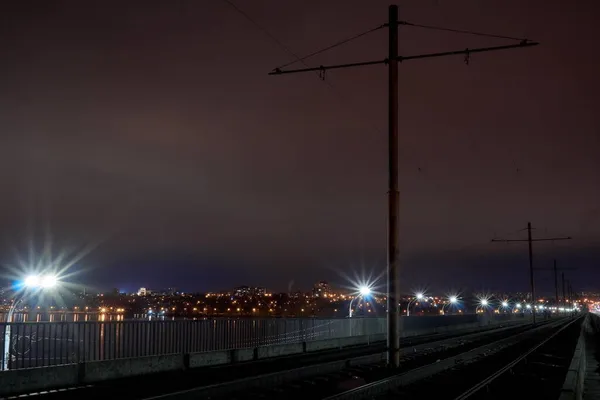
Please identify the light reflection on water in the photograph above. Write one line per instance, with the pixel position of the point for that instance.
(64, 317)
(37, 316)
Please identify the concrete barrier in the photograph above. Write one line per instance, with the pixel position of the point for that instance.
(573, 387)
(241, 355)
(34, 379)
(37, 379)
(339, 343)
(211, 358)
(279, 350)
(96, 371)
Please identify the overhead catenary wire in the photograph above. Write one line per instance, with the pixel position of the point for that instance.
(332, 46)
(302, 59)
(261, 28)
(474, 33)
(299, 58)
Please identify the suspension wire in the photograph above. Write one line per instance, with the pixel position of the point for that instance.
(341, 42)
(319, 74)
(439, 28)
(261, 28)
(321, 77)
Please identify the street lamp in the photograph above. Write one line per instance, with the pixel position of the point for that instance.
(483, 304)
(362, 292)
(31, 282)
(452, 300)
(418, 296)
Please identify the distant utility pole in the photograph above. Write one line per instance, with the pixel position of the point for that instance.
(570, 294)
(555, 269)
(563, 287)
(392, 60)
(530, 241)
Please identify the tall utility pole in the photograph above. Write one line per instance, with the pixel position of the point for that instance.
(392, 60)
(393, 298)
(530, 242)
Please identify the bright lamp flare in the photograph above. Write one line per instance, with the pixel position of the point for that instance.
(419, 296)
(504, 304)
(453, 299)
(41, 281)
(32, 281)
(365, 291)
(48, 281)
(484, 302)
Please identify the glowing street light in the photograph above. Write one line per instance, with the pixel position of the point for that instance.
(48, 281)
(505, 304)
(32, 281)
(483, 304)
(41, 282)
(452, 300)
(418, 296)
(363, 292)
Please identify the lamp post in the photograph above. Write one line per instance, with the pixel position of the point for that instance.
(362, 292)
(452, 300)
(483, 305)
(39, 282)
(418, 296)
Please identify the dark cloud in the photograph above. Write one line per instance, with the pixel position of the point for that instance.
(153, 128)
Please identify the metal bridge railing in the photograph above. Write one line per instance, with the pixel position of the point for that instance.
(38, 344)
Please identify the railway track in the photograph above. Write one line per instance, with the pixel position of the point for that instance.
(531, 364)
(331, 378)
(175, 381)
(538, 371)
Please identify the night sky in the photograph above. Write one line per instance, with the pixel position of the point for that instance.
(147, 136)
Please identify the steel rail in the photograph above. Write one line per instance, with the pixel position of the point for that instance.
(484, 383)
(275, 378)
(384, 385)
